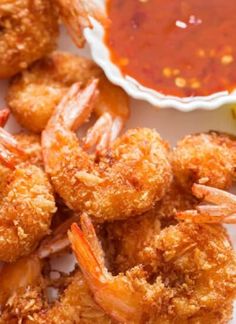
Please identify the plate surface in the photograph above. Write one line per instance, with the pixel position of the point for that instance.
(170, 123)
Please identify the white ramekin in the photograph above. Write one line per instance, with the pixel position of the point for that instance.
(100, 54)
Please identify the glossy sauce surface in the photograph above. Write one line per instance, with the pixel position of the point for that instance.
(177, 47)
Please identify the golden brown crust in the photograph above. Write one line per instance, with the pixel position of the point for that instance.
(128, 180)
(130, 242)
(75, 306)
(29, 29)
(23, 298)
(34, 93)
(26, 208)
(201, 269)
(204, 158)
(31, 144)
(194, 279)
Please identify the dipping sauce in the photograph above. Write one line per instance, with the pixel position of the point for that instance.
(177, 47)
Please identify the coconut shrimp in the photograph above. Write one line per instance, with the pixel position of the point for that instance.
(206, 158)
(29, 30)
(34, 94)
(194, 283)
(131, 242)
(23, 296)
(221, 208)
(133, 174)
(27, 203)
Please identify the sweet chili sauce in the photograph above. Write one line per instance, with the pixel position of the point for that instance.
(177, 47)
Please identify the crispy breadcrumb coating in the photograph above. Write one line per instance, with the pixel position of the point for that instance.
(26, 206)
(28, 31)
(34, 93)
(204, 158)
(128, 242)
(194, 280)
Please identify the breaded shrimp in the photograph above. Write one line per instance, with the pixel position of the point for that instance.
(29, 29)
(222, 207)
(129, 242)
(34, 94)
(194, 283)
(207, 158)
(23, 296)
(26, 201)
(75, 306)
(127, 180)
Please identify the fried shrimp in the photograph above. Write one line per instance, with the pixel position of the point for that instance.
(133, 174)
(26, 201)
(205, 158)
(127, 242)
(130, 242)
(28, 32)
(23, 296)
(34, 94)
(222, 207)
(194, 283)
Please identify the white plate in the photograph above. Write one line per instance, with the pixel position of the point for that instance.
(170, 123)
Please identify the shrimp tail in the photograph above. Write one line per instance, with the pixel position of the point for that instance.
(10, 149)
(59, 240)
(76, 106)
(223, 210)
(114, 295)
(89, 264)
(104, 132)
(91, 237)
(4, 115)
(6, 158)
(213, 195)
(99, 134)
(117, 126)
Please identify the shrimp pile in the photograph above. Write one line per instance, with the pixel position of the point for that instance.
(148, 249)
(23, 296)
(187, 286)
(29, 30)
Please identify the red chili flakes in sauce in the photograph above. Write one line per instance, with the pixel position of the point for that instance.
(177, 47)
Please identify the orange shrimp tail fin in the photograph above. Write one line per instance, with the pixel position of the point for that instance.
(222, 207)
(7, 158)
(4, 115)
(91, 237)
(10, 150)
(89, 264)
(75, 107)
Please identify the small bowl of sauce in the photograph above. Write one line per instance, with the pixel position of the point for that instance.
(172, 53)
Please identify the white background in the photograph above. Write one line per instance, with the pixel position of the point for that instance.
(171, 124)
